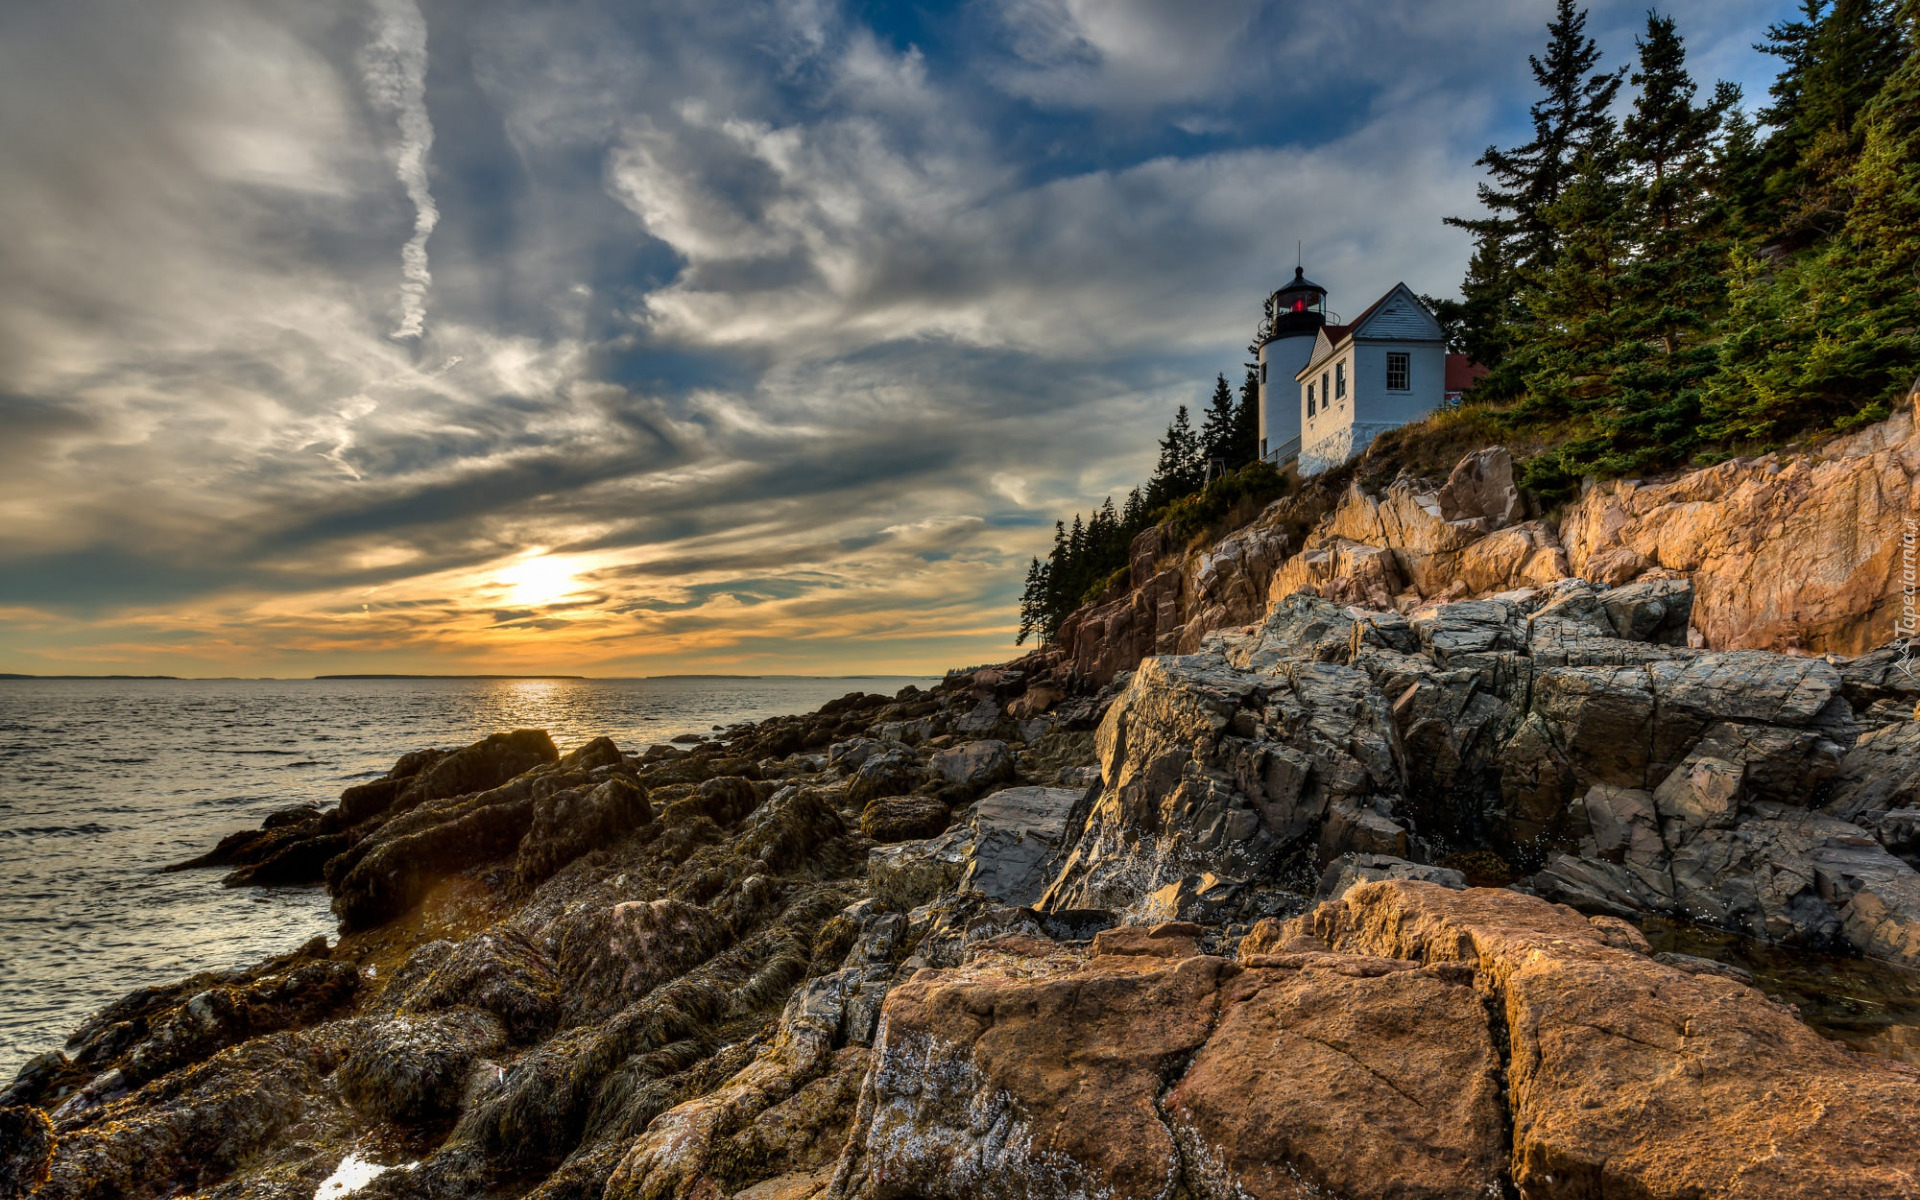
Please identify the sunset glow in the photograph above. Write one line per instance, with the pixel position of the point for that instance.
(664, 337)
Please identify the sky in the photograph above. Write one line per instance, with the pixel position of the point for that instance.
(658, 336)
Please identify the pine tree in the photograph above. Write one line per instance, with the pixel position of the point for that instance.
(1133, 518)
(1517, 237)
(1216, 430)
(1672, 283)
(1739, 177)
(1826, 337)
(1180, 469)
(1246, 421)
(1836, 59)
(1674, 286)
(1033, 604)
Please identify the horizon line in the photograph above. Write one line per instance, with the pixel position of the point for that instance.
(16, 675)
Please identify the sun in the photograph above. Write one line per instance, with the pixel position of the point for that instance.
(542, 579)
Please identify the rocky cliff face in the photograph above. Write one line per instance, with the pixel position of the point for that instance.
(1788, 552)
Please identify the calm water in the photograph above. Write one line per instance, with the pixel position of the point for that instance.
(101, 781)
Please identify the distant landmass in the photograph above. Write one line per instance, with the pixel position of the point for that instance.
(370, 676)
(11, 675)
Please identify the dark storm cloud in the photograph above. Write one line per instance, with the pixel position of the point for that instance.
(812, 310)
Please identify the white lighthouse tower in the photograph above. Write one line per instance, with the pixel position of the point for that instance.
(1295, 315)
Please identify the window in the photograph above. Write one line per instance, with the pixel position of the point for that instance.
(1397, 372)
(1263, 447)
(1263, 374)
(1309, 399)
(1340, 380)
(1326, 389)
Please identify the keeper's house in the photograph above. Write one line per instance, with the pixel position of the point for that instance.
(1326, 391)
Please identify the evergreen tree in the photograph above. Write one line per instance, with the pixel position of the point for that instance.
(1517, 237)
(1181, 469)
(1674, 286)
(1033, 604)
(1246, 421)
(1826, 337)
(1836, 60)
(1133, 518)
(1575, 304)
(1216, 430)
(1739, 176)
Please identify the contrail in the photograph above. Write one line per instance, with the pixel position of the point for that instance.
(394, 67)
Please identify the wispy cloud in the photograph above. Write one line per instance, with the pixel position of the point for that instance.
(774, 333)
(394, 67)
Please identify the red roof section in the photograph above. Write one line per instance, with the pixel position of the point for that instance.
(1336, 332)
(1463, 373)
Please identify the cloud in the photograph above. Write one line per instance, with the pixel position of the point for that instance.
(782, 330)
(394, 67)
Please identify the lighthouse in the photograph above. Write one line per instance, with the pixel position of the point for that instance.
(1295, 315)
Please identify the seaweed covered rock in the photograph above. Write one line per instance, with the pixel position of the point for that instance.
(568, 823)
(891, 773)
(501, 971)
(26, 1150)
(415, 1068)
(904, 818)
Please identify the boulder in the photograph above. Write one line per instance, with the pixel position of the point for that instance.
(1630, 1077)
(1878, 777)
(1006, 850)
(892, 773)
(976, 1049)
(1482, 486)
(904, 818)
(1657, 610)
(612, 955)
(500, 971)
(26, 1150)
(1016, 838)
(485, 764)
(1343, 571)
(1350, 870)
(1296, 1076)
(973, 765)
(1346, 1076)
(568, 823)
(909, 874)
(414, 1068)
(1209, 769)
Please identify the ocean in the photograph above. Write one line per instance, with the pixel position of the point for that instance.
(102, 781)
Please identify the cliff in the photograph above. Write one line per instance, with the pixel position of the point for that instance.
(1794, 551)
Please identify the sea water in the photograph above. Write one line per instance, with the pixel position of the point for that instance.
(103, 781)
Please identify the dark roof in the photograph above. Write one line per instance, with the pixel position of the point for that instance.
(1334, 334)
(1463, 373)
(1300, 281)
(1362, 318)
